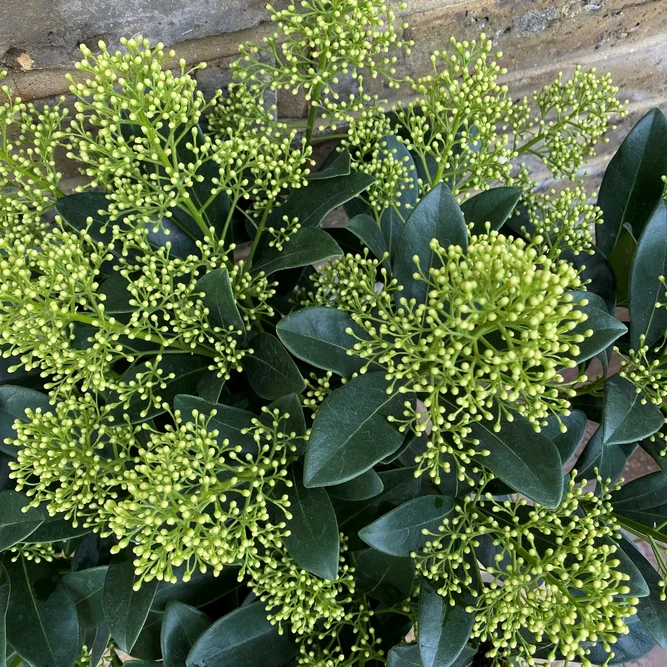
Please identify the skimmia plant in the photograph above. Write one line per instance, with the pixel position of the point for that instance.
(232, 434)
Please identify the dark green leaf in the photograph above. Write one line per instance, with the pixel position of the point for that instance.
(351, 432)
(125, 609)
(42, 625)
(625, 419)
(443, 629)
(243, 638)
(636, 582)
(368, 231)
(338, 166)
(318, 335)
(200, 590)
(642, 493)
(271, 371)
(407, 528)
(399, 485)
(529, 462)
(219, 299)
(606, 328)
(365, 486)
(117, 300)
(98, 641)
(313, 541)
(147, 646)
(86, 588)
(13, 403)
(609, 460)
(654, 448)
(15, 524)
(566, 443)
(494, 206)
(5, 590)
(636, 644)
(19, 376)
(386, 578)
(646, 290)
(56, 529)
(598, 271)
(228, 421)
(311, 205)
(632, 184)
(181, 626)
(404, 656)
(651, 610)
(306, 247)
(210, 386)
(186, 370)
(437, 216)
(620, 261)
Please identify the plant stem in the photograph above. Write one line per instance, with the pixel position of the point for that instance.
(312, 115)
(258, 235)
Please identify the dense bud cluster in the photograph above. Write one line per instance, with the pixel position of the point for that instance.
(316, 45)
(294, 598)
(491, 339)
(195, 501)
(554, 580)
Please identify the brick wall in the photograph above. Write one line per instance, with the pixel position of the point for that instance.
(39, 40)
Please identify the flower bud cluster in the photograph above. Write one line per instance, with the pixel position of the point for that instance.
(554, 581)
(317, 44)
(296, 598)
(572, 118)
(318, 388)
(196, 500)
(29, 178)
(453, 124)
(565, 220)
(647, 370)
(36, 553)
(491, 339)
(71, 459)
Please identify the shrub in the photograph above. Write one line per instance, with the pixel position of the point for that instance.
(233, 435)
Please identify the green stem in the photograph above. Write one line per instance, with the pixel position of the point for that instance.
(312, 115)
(198, 349)
(258, 235)
(640, 530)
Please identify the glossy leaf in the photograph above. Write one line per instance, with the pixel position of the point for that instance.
(201, 589)
(181, 626)
(608, 460)
(314, 541)
(443, 629)
(125, 609)
(404, 656)
(42, 625)
(646, 290)
(625, 419)
(642, 493)
(386, 578)
(369, 233)
(13, 403)
(306, 247)
(632, 185)
(437, 216)
(527, 461)
(319, 336)
(86, 588)
(620, 261)
(15, 524)
(338, 165)
(606, 328)
(651, 610)
(311, 205)
(401, 531)
(56, 529)
(351, 432)
(219, 299)
(493, 206)
(243, 638)
(271, 371)
(116, 295)
(566, 443)
(5, 592)
(596, 269)
(367, 485)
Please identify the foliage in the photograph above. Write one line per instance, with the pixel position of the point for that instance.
(163, 326)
